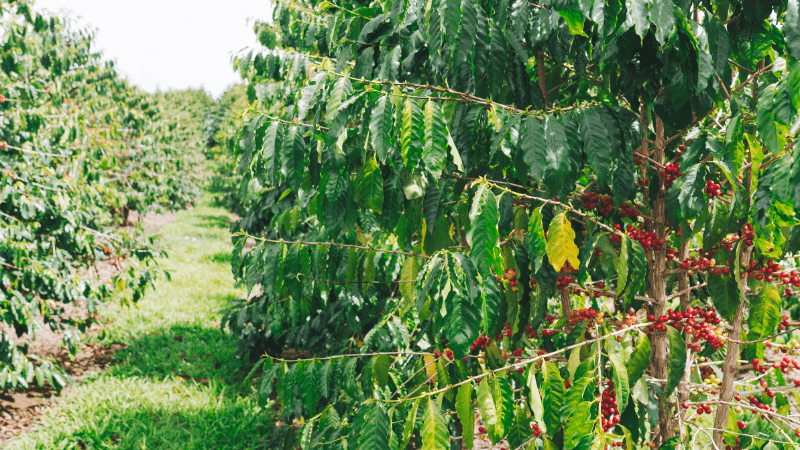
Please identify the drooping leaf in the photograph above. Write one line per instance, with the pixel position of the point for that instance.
(561, 246)
(434, 429)
(466, 413)
(725, 294)
(662, 15)
(557, 159)
(411, 134)
(532, 143)
(596, 142)
(765, 312)
(380, 128)
(371, 185)
(408, 426)
(486, 406)
(504, 405)
(483, 235)
(375, 432)
(639, 360)
(434, 153)
(677, 360)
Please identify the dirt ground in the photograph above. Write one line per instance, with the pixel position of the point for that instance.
(19, 411)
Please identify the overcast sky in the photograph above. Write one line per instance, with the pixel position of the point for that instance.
(170, 43)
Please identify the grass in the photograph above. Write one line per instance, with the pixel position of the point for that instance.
(178, 384)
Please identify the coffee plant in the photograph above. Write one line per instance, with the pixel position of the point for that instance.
(79, 150)
(549, 224)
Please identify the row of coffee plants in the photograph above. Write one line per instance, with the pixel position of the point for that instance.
(80, 149)
(557, 224)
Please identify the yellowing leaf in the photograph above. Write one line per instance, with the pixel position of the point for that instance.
(561, 246)
(430, 367)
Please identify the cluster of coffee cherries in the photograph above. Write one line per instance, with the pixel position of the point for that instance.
(626, 210)
(690, 322)
(637, 156)
(670, 173)
(506, 332)
(712, 189)
(3, 145)
(702, 408)
(704, 263)
(603, 203)
(481, 343)
(530, 332)
(447, 352)
(757, 403)
(563, 281)
(536, 430)
(648, 240)
(608, 408)
(509, 275)
(583, 315)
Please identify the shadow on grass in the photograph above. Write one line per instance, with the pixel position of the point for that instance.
(176, 387)
(216, 221)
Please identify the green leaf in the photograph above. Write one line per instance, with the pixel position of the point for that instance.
(463, 323)
(380, 128)
(287, 386)
(577, 413)
(532, 143)
(535, 398)
(662, 15)
(380, 370)
(265, 383)
(483, 235)
(434, 154)
(691, 195)
(409, 272)
(553, 387)
(639, 13)
(309, 390)
(408, 426)
(557, 159)
(596, 142)
(375, 432)
(371, 185)
(765, 120)
(791, 28)
(621, 264)
(536, 239)
(621, 381)
(466, 413)
(765, 312)
(725, 294)
(411, 134)
(717, 226)
(639, 359)
(719, 42)
(677, 360)
(293, 158)
(434, 429)
(574, 19)
(504, 405)
(486, 406)
(270, 151)
(310, 94)
(561, 246)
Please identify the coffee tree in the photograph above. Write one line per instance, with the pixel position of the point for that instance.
(557, 224)
(79, 149)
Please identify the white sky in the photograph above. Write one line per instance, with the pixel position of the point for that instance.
(170, 43)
